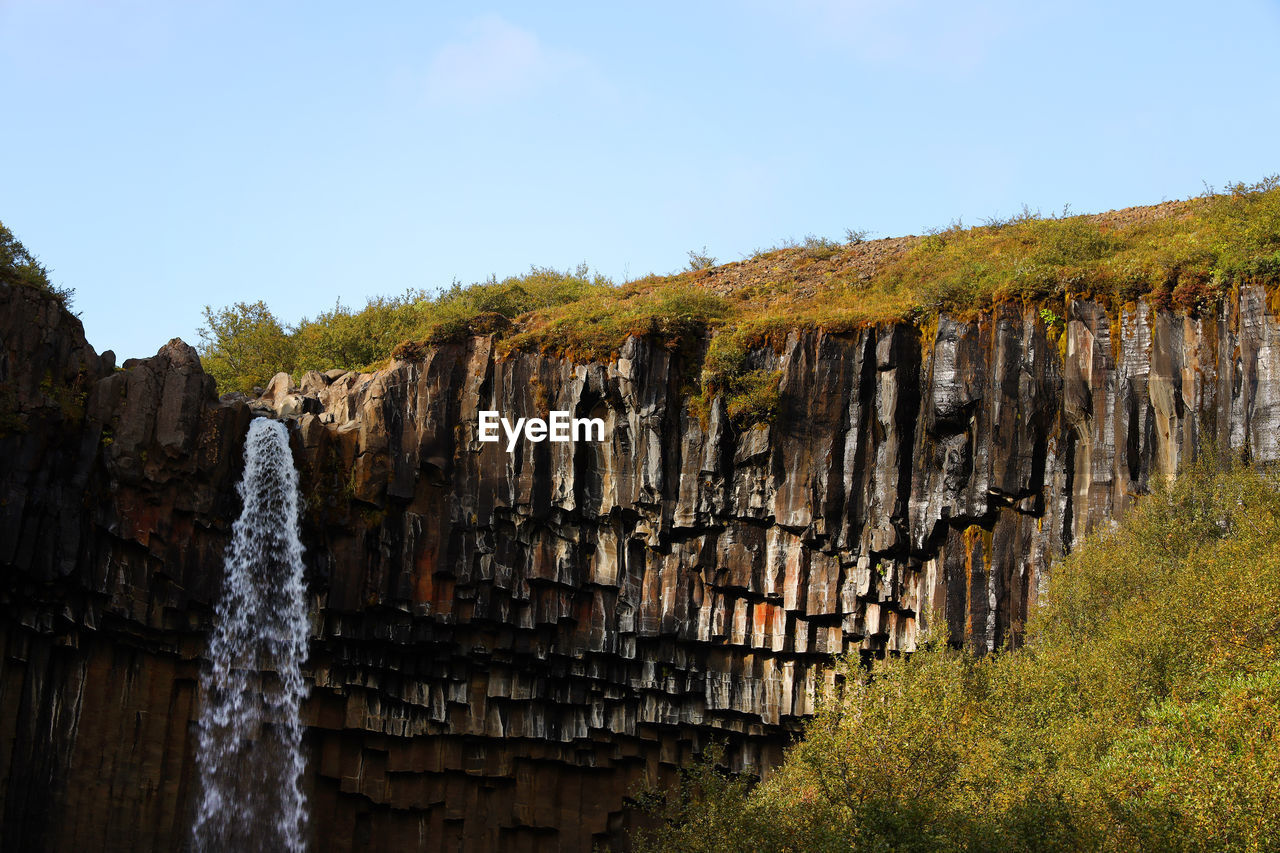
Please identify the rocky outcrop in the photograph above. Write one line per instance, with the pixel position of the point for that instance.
(505, 644)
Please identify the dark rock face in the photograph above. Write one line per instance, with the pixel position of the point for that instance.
(505, 644)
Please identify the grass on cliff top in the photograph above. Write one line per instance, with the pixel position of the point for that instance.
(1143, 713)
(1185, 254)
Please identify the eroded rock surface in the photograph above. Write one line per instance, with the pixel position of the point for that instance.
(505, 644)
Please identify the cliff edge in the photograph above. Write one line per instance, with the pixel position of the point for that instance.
(506, 644)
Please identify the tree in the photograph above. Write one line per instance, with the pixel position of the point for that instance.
(243, 345)
(19, 266)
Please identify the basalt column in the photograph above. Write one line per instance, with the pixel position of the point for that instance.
(503, 645)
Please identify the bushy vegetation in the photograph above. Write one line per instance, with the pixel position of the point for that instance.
(1187, 255)
(244, 345)
(18, 266)
(1142, 714)
(1187, 258)
(731, 370)
(596, 326)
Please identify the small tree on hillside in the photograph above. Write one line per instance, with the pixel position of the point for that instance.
(244, 345)
(18, 266)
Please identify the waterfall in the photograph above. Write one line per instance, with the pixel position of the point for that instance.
(250, 749)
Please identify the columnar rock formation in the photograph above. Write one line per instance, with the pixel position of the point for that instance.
(505, 644)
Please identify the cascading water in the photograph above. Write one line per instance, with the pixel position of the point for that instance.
(250, 750)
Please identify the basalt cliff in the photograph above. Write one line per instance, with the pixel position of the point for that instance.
(505, 645)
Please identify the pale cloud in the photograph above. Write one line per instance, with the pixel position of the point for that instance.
(495, 61)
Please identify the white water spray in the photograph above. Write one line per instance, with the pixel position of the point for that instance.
(250, 751)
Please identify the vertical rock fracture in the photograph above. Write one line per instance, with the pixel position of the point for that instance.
(250, 745)
(506, 644)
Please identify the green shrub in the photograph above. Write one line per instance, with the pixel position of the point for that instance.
(1142, 714)
(700, 260)
(820, 248)
(18, 266)
(1187, 255)
(352, 340)
(700, 812)
(730, 368)
(596, 326)
(243, 345)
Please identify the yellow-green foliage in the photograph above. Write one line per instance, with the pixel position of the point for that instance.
(450, 315)
(354, 339)
(750, 392)
(597, 325)
(243, 345)
(18, 266)
(1186, 255)
(1143, 713)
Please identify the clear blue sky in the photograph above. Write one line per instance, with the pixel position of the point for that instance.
(160, 156)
